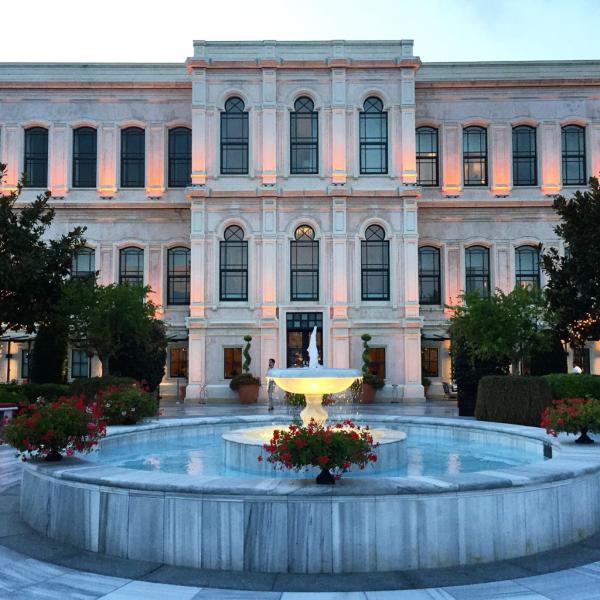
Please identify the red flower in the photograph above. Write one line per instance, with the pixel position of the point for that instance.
(323, 460)
(260, 458)
(300, 442)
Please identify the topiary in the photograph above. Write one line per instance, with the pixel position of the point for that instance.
(246, 353)
(369, 378)
(245, 378)
(49, 354)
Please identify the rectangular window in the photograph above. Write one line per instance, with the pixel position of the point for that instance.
(234, 270)
(84, 263)
(429, 362)
(180, 157)
(524, 155)
(84, 157)
(234, 143)
(80, 364)
(373, 143)
(304, 143)
(24, 364)
(133, 161)
(427, 156)
(304, 270)
(573, 155)
(36, 157)
(232, 362)
(429, 276)
(477, 270)
(377, 362)
(178, 363)
(475, 156)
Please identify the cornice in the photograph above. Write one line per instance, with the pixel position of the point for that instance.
(405, 63)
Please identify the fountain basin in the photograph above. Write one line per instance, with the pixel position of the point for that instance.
(312, 382)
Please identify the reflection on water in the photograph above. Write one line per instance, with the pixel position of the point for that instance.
(414, 466)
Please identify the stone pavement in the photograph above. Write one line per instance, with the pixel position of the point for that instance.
(32, 566)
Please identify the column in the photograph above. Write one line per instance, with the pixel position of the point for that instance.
(340, 336)
(107, 159)
(410, 258)
(451, 159)
(57, 156)
(269, 266)
(11, 154)
(500, 134)
(412, 363)
(550, 151)
(106, 276)
(155, 277)
(199, 127)
(408, 137)
(155, 165)
(453, 284)
(503, 268)
(339, 169)
(269, 128)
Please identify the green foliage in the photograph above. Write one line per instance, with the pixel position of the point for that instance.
(369, 378)
(33, 267)
(246, 353)
(425, 381)
(11, 394)
(126, 405)
(572, 385)
(512, 399)
(30, 392)
(295, 400)
(374, 381)
(574, 279)
(49, 354)
(243, 379)
(89, 387)
(550, 360)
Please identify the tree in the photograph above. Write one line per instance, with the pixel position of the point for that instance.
(33, 268)
(108, 320)
(573, 289)
(49, 355)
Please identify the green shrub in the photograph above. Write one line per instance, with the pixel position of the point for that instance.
(572, 385)
(243, 379)
(89, 387)
(374, 380)
(126, 405)
(512, 399)
(30, 392)
(49, 354)
(11, 394)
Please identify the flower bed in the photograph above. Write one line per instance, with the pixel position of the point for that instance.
(573, 415)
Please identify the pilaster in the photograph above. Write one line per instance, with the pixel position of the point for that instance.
(199, 127)
(339, 168)
(550, 153)
(57, 156)
(11, 154)
(197, 260)
(155, 276)
(106, 264)
(410, 256)
(269, 267)
(451, 159)
(500, 134)
(595, 152)
(408, 135)
(503, 267)
(155, 165)
(453, 285)
(107, 159)
(269, 128)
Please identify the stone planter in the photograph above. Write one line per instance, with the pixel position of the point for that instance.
(248, 394)
(325, 477)
(368, 394)
(53, 456)
(584, 438)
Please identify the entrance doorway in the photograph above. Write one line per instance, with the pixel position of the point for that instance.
(299, 326)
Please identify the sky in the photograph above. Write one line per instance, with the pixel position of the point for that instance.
(163, 31)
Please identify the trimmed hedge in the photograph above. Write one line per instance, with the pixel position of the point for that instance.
(89, 387)
(30, 392)
(512, 399)
(573, 385)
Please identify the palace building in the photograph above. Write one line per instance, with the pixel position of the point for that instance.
(264, 188)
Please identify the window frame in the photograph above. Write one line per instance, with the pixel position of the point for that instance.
(79, 363)
(364, 143)
(39, 160)
(298, 143)
(79, 158)
(475, 157)
(230, 376)
(426, 352)
(380, 372)
(241, 269)
(123, 276)
(435, 275)
(522, 276)
(523, 156)
(173, 277)
(296, 245)
(182, 350)
(382, 268)
(175, 159)
(81, 274)
(426, 156)
(231, 143)
(580, 155)
(486, 273)
(132, 158)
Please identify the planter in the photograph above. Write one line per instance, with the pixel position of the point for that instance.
(584, 438)
(325, 478)
(53, 456)
(248, 393)
(368, 394)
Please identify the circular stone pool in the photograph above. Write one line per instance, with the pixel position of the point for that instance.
(468, 492)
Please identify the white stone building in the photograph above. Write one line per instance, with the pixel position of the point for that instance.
(263, 188)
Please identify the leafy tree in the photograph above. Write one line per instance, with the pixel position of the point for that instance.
(573, 289)
(49, 355)
(33, 267)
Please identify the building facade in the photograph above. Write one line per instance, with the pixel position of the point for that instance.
(264, 188)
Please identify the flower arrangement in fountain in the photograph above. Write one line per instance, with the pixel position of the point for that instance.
(45, 429)
(333, 448)
(573, 415)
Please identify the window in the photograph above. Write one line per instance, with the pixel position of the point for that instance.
(304, 137)
(133, 152)
(427, 156)
(178, 363)
(429, 275)
(524, 155)
(304, 265)
(581, 359)
(573, 155)
(84, 263)
(232, 362)
(178, 276)
(477, 269)
(36, 157)
(375, 265)
(84, 157)
(80, 364)
(377, 362)
(180, 157)
(373, 137)
(429, 362)
(475, 156)
(234, 138)
(527, 266)
(24, 364)
(131, 266)
(234, 265)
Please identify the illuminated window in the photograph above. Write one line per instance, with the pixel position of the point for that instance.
(180, 157)
(429, 275)
(304, 265)
(427, 156)
(80, 364)
(131, 266)
(133, 161)
(84, 157)
(304, 137)
(232, 362)
(36, 157)
(234, 138)
(475, 156)
(527, 266)
(373, 137)
(524, 155)
(477, 270)
(178, 276)
(375, 265)
(234, 265)
(84, 263)
(178, 363)
(377, 361)
(573, 155)
(430, 362)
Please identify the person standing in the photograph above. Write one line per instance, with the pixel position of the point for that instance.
(271, 386)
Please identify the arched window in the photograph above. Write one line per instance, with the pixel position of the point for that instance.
(524, 155)
(573, 155)
(84, 263)
(477, 270)
(131, 266)
(133, 157)
(429, 275)
(36, 157)
(178, 275)
(475, 155)
(304, 264)
(375, 265)
(304, 137)
(233, 260)
(234, 138)
(84, 157)
(427, 156)
(373, 137)
(527, 266)
(180, 157)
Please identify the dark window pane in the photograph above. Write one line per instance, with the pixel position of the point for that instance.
(234, 138)
(80, 364)
(377, 362)
(524, 156)
(475, 156)
(84, 263)
(133, 162)
(233, 265)
(232, 362)
(304, 265)
(178, 276)
(430, 362)
(36, 157)
(180, 157)
(477, 270)
(178, 363)
(429, 275)
(527, 266)
(427, 156)
(304, 138)
(373, 137)
(375, 265)
(573, 155)
(131, 266)
(84, 157)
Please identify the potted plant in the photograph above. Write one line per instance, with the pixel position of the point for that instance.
(425, 382)
(370, 382)
(334, 449)
(45, 430)
(573, 415)
(245, 384)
